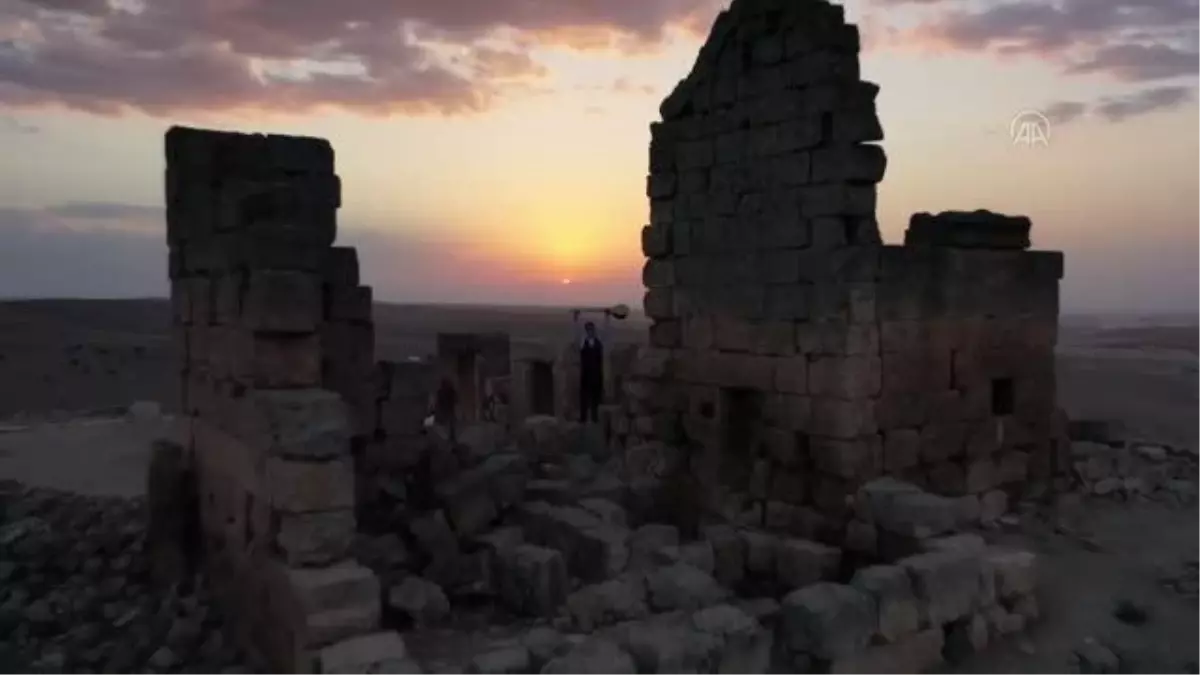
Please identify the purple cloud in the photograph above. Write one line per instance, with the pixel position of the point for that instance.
(1130, 40)
(1119, 108)
(413, 56)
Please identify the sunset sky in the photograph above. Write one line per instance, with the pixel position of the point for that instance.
(490, 149)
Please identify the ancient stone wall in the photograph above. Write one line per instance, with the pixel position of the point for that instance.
(793, 356)
(472, 361)
(266, 314)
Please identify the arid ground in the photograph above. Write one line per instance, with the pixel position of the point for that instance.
(1119, 570)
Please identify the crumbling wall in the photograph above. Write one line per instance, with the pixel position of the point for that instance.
(473, 361)
(792, 356)
(266, 314)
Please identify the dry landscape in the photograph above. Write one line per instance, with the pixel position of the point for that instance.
(818, 453)
(1119, 558)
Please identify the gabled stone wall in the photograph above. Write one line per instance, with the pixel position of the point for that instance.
(793, 356)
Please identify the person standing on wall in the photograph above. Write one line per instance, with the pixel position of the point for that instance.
(591, 371)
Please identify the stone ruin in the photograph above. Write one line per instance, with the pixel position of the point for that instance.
(787, 477)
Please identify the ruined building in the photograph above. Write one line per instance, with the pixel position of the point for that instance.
(794, 355)
(815, 416)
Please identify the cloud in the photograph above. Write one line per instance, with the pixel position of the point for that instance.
(49, 255)
(1129, 40)
(1120, 108)
(370, 56)
(1064, 112)
(106, 211)
(11, 124)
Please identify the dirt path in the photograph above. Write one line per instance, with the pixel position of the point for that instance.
(86, 456)
(1115, 552)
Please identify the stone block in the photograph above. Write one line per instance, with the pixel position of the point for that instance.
(901, 449)
(263, 250)
(857, 126)
(918, 653)
(845, 376)
(786, 302)
(782, 446)
(594, 550)
(340, 267)
(1013, 468)
(274, 361)
(827, 621)
(681, 586)
(729, 553)
(620, 599)
(502, 659)
(982, 475)
(732, 334)
(977, 229)
(593, 655)
(433, 536)
(303, 486)
(838, 339)
(904, 509)
(942, 442)
(895, 602)
(851, 164)
(854, 458)
(947, 583)
(302, 423)
(947, 478)
(468, 502)
(533, 580)
(315, 538)
(382, 652)
(788, 412)
(1015, 572)
(319, 589)
(281, 301)
(419, 600)
(791, 375)
(646, 540)
(761, 549)
(659, 304)
(658, 273)
(847, 419)
(799, 563)
(656, 241)
(350, 304)
(900, 411)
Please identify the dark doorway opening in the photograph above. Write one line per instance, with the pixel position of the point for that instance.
(541, 388)
(467, 378)
(1002, 396)
(741, 420)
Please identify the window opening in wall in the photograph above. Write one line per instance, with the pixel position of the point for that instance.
(1002, 396)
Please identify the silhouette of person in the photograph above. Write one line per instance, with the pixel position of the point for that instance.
(591, 373)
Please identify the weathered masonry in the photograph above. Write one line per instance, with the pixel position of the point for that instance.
(276, 343)
(795, 356)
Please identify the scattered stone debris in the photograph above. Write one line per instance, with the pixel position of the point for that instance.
(1119, 469)
(77, 595)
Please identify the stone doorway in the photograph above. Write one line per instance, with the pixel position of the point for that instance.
(541, 388)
